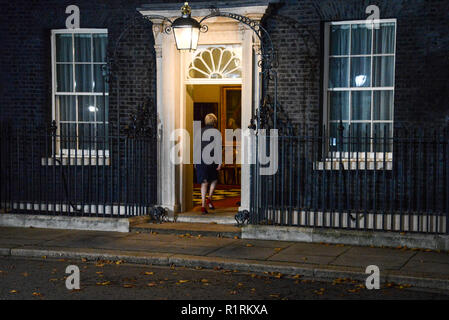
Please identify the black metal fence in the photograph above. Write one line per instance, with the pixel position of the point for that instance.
(383, 182)
(76, 173)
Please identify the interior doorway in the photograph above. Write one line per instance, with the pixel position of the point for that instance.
(225, 101)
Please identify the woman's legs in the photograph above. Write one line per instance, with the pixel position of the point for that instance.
(212, 188)
(203, 193)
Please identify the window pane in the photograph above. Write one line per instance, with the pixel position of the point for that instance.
(383, 71)
(67, 108)
(83, 78)
(98, 78)
(68, 135)
(360, 137)
(383, 134)
(383, 105)
(338, 73)
(360, 39)
(339, 105)
(83, 47)
(361, 105)
(64, 78)
(338, 140)
(339, 36)
(86, 108)
(384, 38)
(86, 136)
(64, 48)
(101, 111)
(100, 44)
(360, 72)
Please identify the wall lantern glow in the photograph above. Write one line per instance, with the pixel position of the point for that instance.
(186, 30)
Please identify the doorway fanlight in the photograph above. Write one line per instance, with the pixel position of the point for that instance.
(216, 63)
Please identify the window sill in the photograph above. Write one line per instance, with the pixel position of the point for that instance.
(78, 161)
(353, 164)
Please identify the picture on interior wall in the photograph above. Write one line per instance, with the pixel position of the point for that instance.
(231, 112)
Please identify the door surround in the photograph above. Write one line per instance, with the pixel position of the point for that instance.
(171, 93)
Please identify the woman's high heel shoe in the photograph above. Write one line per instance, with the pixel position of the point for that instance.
(204, 211)
(210, 204)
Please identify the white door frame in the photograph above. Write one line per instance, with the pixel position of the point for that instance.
(171, 92)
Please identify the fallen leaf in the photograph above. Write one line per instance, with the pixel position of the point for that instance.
(204, 280)
(37, 294)
(147, 273)
(119, 262)
(249, 245)
(236, 237)
(297, 276)
(277, 249)
(129, 285)
(151, 284)
(13, 291)
(105, 283)
(183, 281)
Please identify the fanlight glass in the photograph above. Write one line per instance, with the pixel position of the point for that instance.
(216, 63)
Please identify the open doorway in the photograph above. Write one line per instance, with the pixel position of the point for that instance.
(224, 101)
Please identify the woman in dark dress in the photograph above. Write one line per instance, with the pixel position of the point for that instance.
(207, 174)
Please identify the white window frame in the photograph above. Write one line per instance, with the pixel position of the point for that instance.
(326, 90)
(56, 113)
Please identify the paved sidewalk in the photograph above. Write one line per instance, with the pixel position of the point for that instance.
(419, 268)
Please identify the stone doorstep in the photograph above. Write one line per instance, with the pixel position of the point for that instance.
(194, 229)
(316, 272)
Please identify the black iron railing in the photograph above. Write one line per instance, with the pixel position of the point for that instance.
(384, 182)
(76, 174)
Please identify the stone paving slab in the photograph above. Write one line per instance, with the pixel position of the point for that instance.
(241, 252)
(432, 257)
(321, 260)
(20, 242)
(32, 233)
(427, 268)
(384, 258)
(312, 249)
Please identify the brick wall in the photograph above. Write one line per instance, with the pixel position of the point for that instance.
(422, 63)
(422, 60)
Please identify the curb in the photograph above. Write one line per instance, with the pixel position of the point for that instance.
(168, 259)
